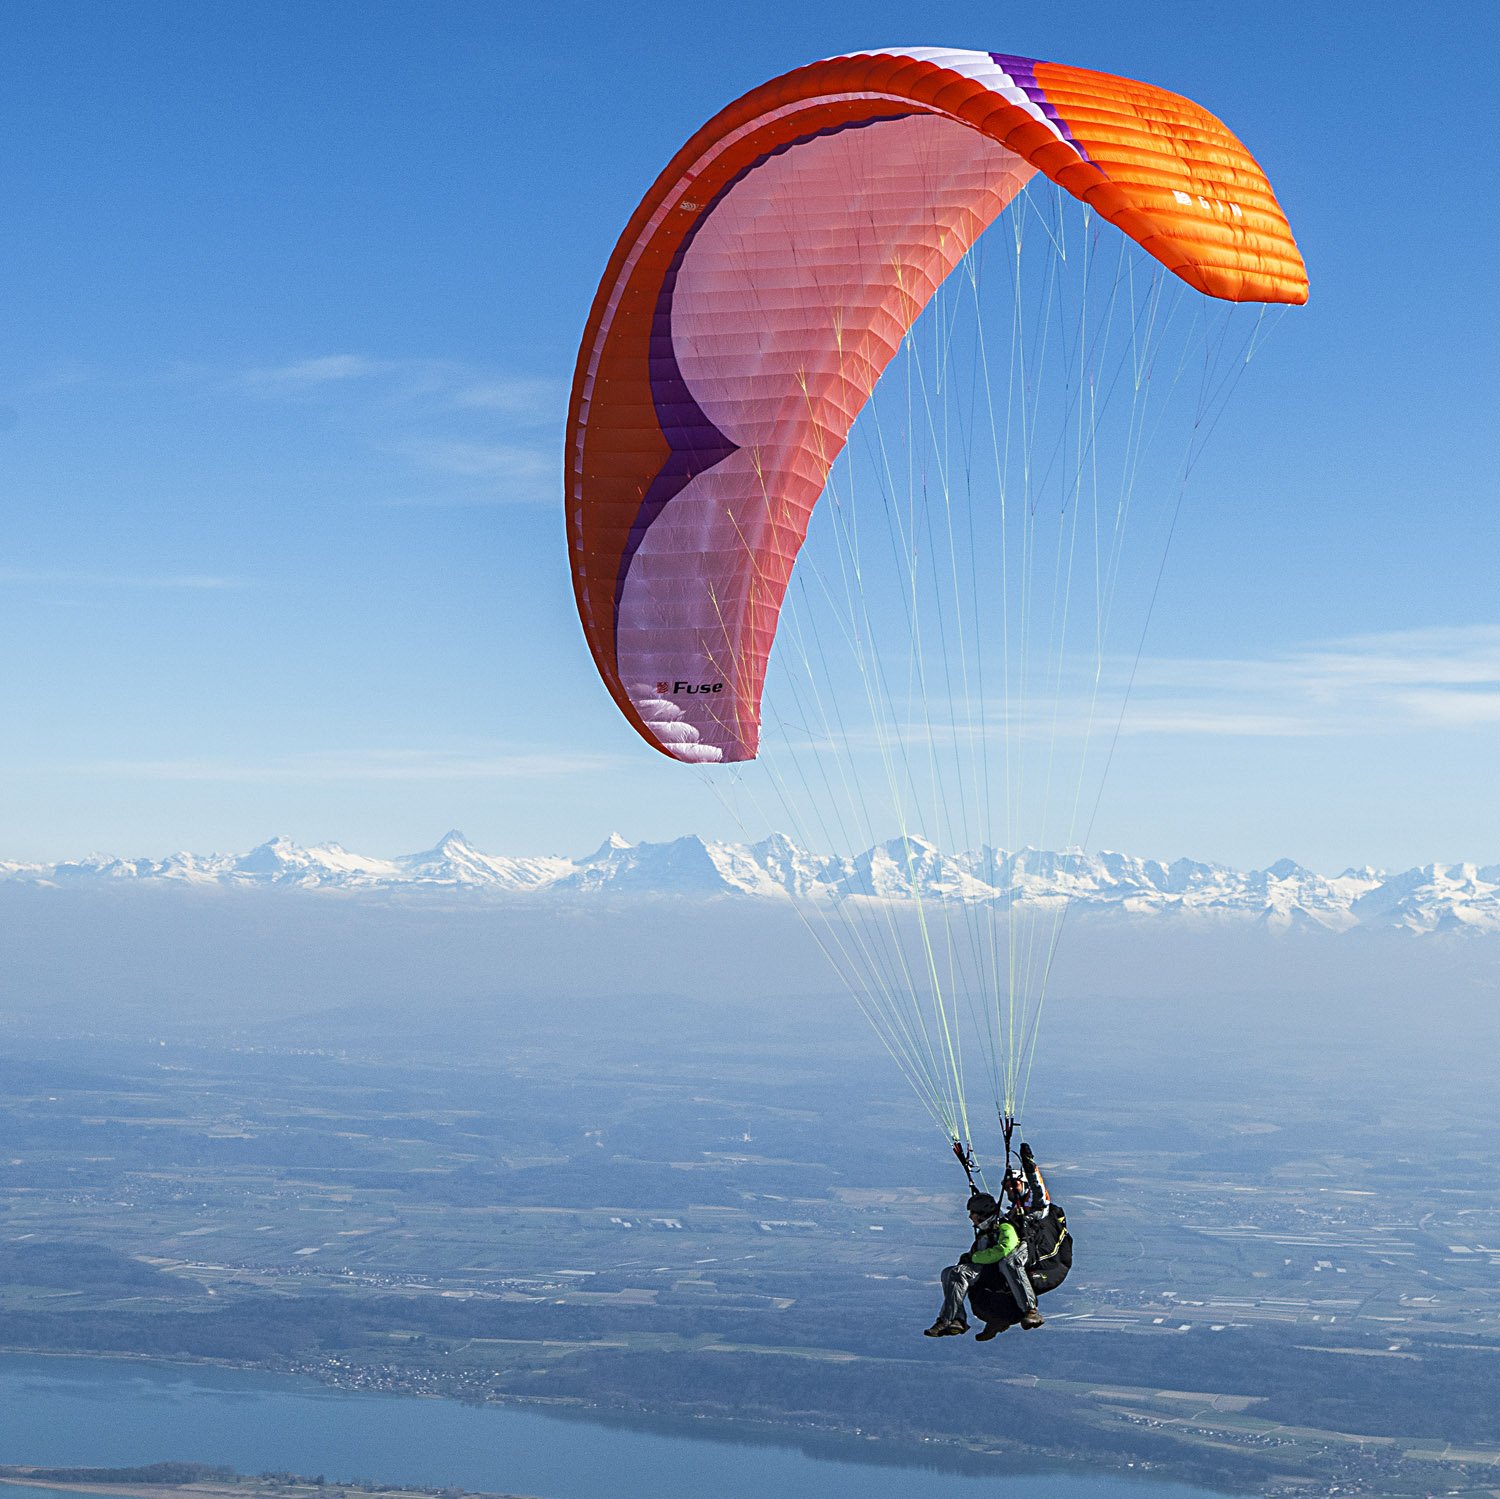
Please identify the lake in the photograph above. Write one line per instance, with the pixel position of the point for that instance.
(112, 1413)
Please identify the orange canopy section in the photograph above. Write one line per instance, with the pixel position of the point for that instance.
(764, 284)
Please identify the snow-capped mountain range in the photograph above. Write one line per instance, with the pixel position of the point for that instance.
(1433, 898)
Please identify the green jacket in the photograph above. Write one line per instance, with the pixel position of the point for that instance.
(994, 1240)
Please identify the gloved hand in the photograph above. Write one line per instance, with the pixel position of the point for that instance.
(1026, 1154)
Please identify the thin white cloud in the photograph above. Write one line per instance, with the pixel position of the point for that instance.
(440, 384)
(1454, 710)
(510, 472)
(359, 765)
(516, 397)
(1370, 686)
(1223, 723)
(326, 369)
(474, 460)
(474, 431)
(463, 499)
(187, 581)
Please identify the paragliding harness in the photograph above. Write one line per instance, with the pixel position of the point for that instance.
(1051, 1251)
(1050, 1255)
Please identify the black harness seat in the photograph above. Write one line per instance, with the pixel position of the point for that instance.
(1048, 1263)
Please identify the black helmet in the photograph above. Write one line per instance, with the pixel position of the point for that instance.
(983, 1204)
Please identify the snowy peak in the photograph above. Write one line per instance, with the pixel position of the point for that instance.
(1456, 898)
(282, 862)
(793, 870)
(685, 866)
(612, 845)
(909, 867)
(454, 862)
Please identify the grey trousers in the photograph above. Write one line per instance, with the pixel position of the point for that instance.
(958, 1281)
(1013, 1268)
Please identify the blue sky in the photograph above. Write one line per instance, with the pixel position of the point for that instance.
(291, 298)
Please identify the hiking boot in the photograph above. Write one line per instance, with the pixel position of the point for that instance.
(945, 1329)
(990, 1330)
(1032, 1319)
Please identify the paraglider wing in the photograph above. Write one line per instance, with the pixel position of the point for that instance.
(764, 284)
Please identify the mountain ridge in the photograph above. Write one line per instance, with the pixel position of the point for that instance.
(1430, 898)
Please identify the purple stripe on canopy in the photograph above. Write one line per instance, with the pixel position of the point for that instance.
(1023, 73)
(695, 443)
